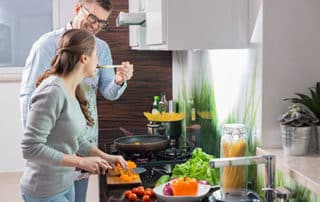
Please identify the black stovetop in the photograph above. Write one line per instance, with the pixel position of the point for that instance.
(156, 164)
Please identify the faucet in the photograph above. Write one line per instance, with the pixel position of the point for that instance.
(268, 160)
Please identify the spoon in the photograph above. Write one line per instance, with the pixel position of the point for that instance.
(112, 66)
(109, 66)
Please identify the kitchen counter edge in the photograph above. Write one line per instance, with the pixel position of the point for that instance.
(302, 169)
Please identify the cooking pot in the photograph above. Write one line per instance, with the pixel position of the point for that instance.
(141, 143)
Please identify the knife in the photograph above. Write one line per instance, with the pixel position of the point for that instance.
(138, 170)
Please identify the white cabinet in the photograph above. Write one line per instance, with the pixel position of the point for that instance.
(186, 24)
(137, 33)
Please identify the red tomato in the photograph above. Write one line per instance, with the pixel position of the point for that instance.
(147, 192)
(135, 190)
(127, 193)
(140, 187)
(152, 194)
(133, 197)
(146, 198)
(140, 190)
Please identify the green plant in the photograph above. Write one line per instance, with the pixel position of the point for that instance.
(298, 116)
(312, 102)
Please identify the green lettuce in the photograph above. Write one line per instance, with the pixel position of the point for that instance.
(197, 167)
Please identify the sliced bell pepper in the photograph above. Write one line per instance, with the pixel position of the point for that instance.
(184, 186)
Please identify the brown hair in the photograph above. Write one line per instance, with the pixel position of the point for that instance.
(72, 44)
(106, 4)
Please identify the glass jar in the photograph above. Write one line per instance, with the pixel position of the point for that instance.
(233, 180)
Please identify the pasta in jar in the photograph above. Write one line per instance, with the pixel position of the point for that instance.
(233, 144)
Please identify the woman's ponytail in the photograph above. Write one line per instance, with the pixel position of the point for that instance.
(84, 105)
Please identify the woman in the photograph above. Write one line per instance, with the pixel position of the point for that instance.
(58, 116)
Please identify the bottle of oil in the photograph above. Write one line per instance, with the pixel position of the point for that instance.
(163, 103)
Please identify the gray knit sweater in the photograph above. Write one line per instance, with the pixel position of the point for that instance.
(55, 127)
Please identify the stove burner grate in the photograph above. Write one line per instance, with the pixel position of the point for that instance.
(168, 156)
(174, 153)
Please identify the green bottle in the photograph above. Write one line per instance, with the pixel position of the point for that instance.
(155, 105)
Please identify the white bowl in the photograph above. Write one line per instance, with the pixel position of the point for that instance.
(202, 191)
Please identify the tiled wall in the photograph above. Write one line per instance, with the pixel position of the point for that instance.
(224, 87)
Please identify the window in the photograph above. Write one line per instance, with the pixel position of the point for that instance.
(21, 24)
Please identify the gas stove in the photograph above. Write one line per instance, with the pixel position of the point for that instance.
(168, 156)
(156, 163)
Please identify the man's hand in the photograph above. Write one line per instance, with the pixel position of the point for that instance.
(124, 73)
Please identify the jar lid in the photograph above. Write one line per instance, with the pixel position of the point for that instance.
(234, 129)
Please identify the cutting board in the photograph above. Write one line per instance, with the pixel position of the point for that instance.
(115, 180)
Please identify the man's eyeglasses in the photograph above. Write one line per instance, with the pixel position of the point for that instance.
(94, 19)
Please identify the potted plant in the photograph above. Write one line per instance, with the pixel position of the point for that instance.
(296, 129)
(312, 102)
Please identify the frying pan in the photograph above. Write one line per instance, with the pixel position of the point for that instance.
(141, 143)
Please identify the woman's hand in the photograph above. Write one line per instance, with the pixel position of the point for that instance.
(114, 159)
(93, 164)
(111, 159)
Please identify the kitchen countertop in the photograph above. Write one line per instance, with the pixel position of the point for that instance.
(303, 169)
(115, 193)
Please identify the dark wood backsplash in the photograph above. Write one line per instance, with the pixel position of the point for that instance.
(152, 75)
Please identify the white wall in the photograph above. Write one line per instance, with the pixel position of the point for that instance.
(10, 128)
(63, 12)
(291, 58)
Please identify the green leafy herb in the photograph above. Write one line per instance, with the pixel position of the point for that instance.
(197, 167)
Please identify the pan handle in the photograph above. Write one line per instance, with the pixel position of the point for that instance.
(126, 131)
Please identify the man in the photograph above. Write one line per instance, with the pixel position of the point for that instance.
(90, 15)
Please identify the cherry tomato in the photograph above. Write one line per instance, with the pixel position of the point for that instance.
(127, 193)
(150, 192)
(140, 187)
(147, 192)
(146, 198)
(140, 190)
(135, 190)
(133, 197)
